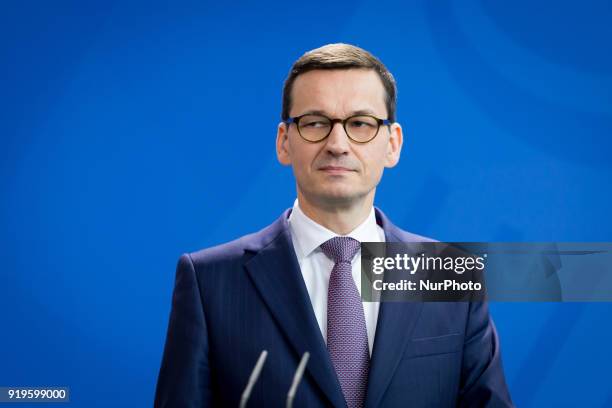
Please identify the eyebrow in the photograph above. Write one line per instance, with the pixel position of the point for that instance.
(353, 113)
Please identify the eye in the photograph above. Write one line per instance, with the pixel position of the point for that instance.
(361, 124)
(315, 124)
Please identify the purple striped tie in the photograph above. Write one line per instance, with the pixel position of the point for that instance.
(347, 337)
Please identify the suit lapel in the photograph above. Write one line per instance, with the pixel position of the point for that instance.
(396, 321)
(276, 274)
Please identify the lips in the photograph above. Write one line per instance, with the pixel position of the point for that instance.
(335, 169)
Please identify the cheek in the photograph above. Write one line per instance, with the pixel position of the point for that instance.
(374, 160)
(302, 157)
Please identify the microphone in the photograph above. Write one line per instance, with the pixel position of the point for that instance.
(244, 398)
(297, 377)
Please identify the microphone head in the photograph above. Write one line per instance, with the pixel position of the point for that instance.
(297, 378)
(244, 398)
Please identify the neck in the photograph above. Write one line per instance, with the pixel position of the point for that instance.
(340, 218)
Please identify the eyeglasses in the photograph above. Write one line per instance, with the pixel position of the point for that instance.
(359, 128)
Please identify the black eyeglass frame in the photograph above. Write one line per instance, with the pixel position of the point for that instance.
(296, 120)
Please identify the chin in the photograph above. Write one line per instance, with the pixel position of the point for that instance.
(339, 196)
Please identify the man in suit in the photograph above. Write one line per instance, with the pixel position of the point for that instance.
(295, 286)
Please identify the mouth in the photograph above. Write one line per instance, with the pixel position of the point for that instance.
(335, 169)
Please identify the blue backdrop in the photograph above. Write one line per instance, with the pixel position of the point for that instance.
(135, 131)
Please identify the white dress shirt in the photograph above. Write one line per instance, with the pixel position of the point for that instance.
(316, 267)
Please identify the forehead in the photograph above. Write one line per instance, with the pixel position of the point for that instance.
(338, 92)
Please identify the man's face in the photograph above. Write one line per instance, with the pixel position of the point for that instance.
(336, 170)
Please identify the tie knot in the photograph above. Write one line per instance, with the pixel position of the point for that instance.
(341, 249)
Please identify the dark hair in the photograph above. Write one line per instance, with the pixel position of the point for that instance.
(340, 56)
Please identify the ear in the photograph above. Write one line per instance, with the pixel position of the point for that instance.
(282, 144)
(394, 145)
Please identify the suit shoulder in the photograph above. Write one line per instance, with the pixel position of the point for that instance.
(418, 238)
(218, 253)
(237, 249)
(405, 236)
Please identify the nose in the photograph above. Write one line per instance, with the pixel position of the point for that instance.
(337, 143)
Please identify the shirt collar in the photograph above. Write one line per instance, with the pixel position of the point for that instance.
(308, 235)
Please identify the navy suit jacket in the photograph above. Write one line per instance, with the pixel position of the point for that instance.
(232, 301)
